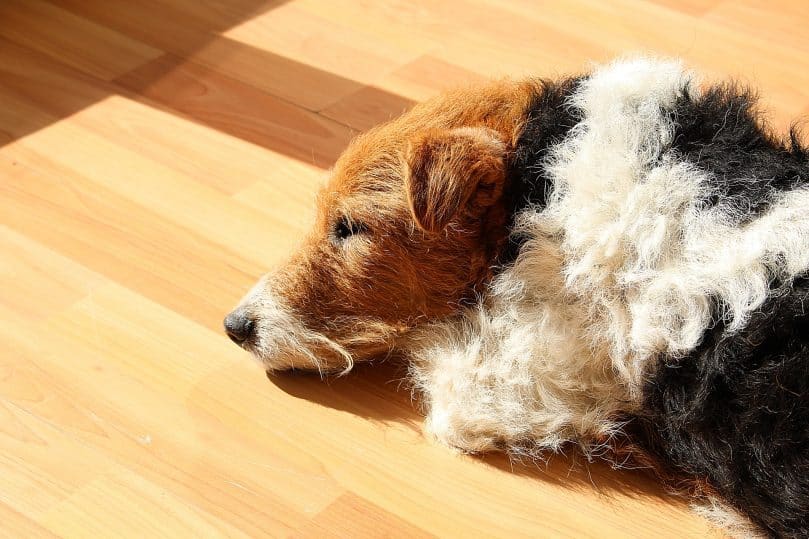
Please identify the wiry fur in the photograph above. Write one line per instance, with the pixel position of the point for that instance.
(561, 318)
(283, 341)
(637, 253)
(369, 270)
(735, 410)
(639, 247)
(521, 371)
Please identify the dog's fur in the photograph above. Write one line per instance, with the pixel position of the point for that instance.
(614, 258)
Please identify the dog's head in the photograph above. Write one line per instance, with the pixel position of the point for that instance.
(407, 227)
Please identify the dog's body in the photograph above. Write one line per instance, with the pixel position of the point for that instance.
(642, 248)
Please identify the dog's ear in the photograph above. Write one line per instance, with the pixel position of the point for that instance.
(451, 171)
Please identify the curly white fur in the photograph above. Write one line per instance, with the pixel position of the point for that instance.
(623, 265)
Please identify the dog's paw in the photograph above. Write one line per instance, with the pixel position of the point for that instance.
(457, 435)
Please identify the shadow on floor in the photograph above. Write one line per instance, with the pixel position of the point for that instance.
(177, 60)
(379, 393)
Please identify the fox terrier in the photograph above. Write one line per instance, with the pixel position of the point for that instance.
(618, 261)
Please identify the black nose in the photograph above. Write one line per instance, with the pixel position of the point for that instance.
(239, 326)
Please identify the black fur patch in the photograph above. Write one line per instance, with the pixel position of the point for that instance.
(722, 132)
(735, 412)
(548, 121)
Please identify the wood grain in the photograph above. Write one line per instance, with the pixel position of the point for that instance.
(157, 156)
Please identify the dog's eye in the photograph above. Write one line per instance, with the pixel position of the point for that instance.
(344, 228)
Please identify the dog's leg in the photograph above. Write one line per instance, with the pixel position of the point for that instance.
(479, 396)
(459, 411)
(464, 392)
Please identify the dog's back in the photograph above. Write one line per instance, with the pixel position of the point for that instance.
(735, 409)
(659, 261)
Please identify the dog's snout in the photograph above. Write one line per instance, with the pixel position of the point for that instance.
(239, 326)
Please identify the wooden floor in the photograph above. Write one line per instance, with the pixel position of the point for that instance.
(157, 156)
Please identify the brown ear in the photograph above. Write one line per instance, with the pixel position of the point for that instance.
(450, 170)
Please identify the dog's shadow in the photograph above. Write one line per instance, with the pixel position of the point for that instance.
(379, 393)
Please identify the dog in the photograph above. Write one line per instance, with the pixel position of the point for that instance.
(617, 261)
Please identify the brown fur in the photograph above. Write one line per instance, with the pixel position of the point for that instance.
(422, 193)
